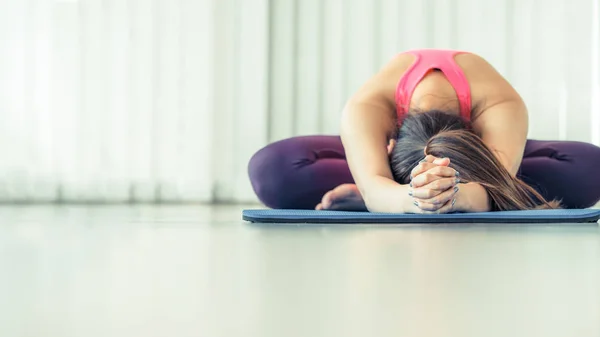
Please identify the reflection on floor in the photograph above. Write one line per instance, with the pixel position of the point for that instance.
(201, 271)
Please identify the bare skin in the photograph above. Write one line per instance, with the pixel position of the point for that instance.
(369, 120)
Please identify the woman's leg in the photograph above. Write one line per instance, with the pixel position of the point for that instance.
(564, 170)
(297, 172)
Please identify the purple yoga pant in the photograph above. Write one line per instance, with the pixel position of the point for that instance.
(297, 172)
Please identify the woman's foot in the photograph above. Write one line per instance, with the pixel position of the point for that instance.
(345, 197)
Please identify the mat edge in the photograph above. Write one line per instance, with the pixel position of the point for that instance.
(590, 220)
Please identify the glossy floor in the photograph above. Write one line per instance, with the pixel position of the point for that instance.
(201, 271)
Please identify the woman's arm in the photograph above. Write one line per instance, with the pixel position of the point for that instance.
(504, 130)
(364, 132)
(503, 126)
(503, 122)
(368, 122)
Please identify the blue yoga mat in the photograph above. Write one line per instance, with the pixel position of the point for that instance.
(339, 217)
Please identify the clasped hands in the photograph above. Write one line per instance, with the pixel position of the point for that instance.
(434, 186)
(437, 188)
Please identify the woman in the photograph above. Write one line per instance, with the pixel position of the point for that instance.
(353, 171)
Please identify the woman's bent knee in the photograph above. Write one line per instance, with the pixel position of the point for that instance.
(585, 169)
(296, 172)
(268, 170)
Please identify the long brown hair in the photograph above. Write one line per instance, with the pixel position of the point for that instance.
(442, 134)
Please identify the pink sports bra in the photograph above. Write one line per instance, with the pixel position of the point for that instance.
(425, 61)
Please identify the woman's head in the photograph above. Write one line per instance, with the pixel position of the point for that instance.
(445, 135)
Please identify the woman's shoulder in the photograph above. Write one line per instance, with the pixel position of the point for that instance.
(488, 86)
(472, 60)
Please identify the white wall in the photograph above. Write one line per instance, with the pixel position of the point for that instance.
(166, 100)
